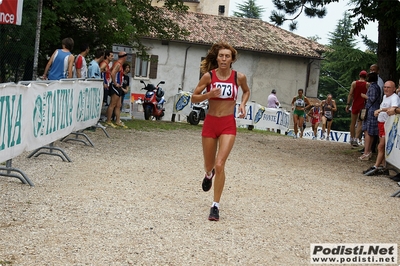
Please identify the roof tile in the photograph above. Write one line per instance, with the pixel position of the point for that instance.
(244, 33)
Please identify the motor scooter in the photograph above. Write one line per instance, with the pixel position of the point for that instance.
(198, 113)
(153, 103)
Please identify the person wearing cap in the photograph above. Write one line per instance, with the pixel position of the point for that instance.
(117, 77)
(356, 102)
(273, 100)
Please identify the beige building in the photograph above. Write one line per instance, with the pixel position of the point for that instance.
(270, 57)
(210, 7)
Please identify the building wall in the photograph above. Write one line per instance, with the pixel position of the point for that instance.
(210, 7)
(285, 74)
(264, 72)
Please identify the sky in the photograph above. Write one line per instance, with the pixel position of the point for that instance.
(307, 27)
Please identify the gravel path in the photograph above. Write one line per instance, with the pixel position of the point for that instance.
(136, 199)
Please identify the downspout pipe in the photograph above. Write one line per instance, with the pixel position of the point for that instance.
(184, 68)
(180, 87)
(308, 76)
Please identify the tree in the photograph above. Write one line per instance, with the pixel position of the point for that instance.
(364, 11)
(342, 65)
(104, 22)
(16, 49)
(100, 23)
(249, 9)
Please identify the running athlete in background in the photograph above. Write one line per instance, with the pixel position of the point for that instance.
(300, 104)
(328, 107)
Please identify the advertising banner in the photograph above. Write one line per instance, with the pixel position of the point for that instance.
(263, 118)
(334, 135)
(182, 103)
(34, 115)
(260, 117)
(11, 12)
(392, 139)
(12, 120)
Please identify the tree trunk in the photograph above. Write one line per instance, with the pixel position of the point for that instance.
(387, 45)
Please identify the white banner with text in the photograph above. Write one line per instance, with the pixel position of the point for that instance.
(258, 116)
(34, 115)
(392, 139)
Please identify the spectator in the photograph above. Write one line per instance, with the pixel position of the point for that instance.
(125, 84)
(390, 100)
(375, 69)
(94, 67)
(117, 77)
(273, 100)
(328, 108)
(357, 103)
(94, 72)
(299, 105)
(61, 62)
(80, 70)
(315, 114)
(106, 73)
(370, 124)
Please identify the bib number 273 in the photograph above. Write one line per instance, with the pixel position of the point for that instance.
(226, 90)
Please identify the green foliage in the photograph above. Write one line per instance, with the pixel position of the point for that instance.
(102, 23)
(340, 68)
(14, 41)
(371, 45)
(342, 35)
(294, 8)
(363, 12)
(249, 9)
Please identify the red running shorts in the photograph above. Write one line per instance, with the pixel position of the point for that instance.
(215, 126)
(381, 128)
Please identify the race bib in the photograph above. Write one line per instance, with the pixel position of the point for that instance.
(226, 89)
(299, 102)
(328, 114)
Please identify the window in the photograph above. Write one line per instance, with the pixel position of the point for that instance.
(141, 66)
(145, 66)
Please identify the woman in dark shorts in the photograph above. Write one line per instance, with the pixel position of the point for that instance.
(328, 107)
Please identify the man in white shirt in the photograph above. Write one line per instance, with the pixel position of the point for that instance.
(390, 100)
(273, 100)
